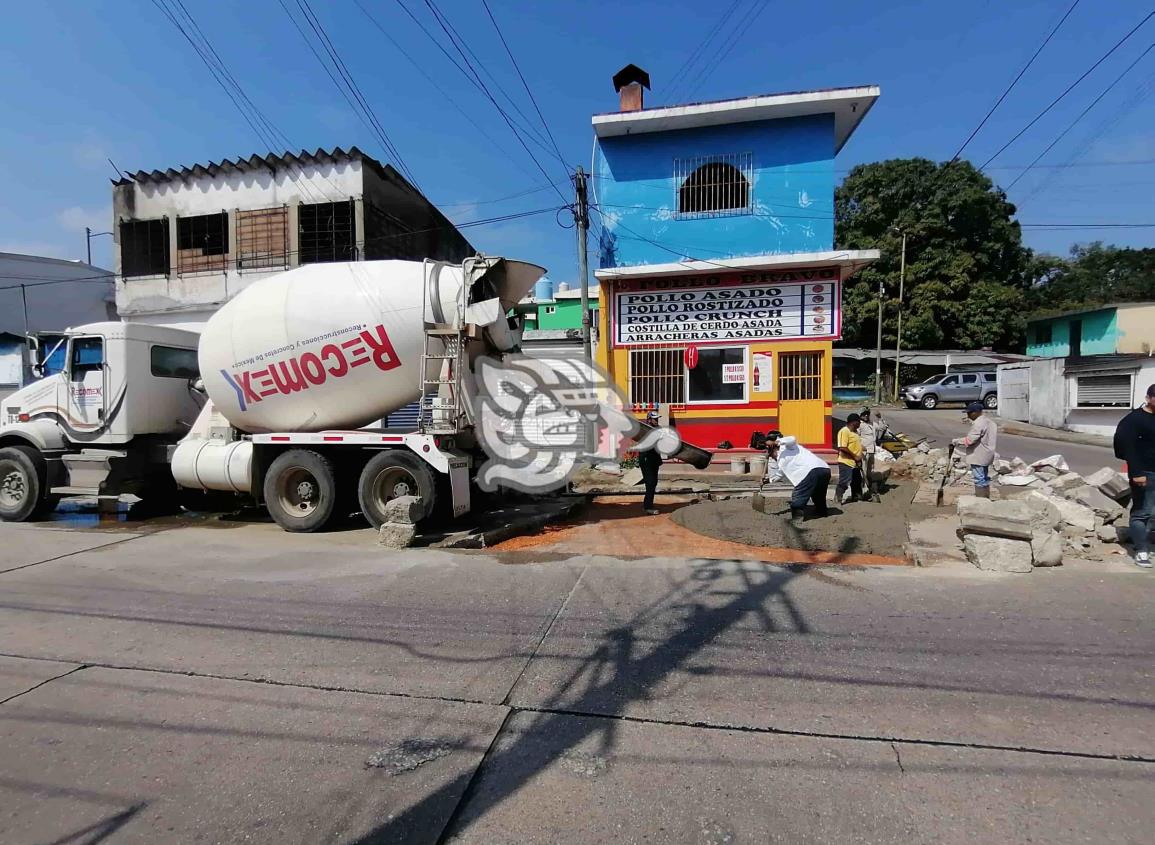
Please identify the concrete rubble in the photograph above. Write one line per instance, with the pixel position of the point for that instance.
(400, 527)
(1039, 513)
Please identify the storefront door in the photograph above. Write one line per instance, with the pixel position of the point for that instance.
(801, 409)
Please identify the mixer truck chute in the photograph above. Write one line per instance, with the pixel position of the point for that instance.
(293, 374)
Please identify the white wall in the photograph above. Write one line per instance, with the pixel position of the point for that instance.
(164, 300)
(1048, 396)
(1104, 420)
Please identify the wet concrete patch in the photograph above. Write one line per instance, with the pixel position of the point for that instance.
(408, 755)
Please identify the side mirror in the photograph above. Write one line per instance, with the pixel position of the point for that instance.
(197, 384)
(38, 370)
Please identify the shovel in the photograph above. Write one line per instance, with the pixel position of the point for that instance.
(946, 475)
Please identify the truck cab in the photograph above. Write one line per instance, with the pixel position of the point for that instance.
(101, 425)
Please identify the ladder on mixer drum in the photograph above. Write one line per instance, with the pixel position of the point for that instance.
(440, 408)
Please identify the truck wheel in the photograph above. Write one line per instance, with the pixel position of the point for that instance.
(390, 475)
(23, 485)
(930, 402)
(301, 490)
(991, 401)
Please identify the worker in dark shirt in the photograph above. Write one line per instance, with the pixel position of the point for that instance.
(649, 462)
(1135, 444)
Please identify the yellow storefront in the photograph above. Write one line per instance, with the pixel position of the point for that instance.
(727, 351)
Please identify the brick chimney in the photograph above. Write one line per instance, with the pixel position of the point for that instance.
(629, 82)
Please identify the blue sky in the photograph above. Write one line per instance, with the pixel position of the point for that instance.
(85, 82)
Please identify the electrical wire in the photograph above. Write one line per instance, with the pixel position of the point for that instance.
(740, 29)
(680, 74)
(448, 97)
(1082, 114)
(525, 84)
(1069, 88)
(485, 90)
(1014, 81)
(343, 70)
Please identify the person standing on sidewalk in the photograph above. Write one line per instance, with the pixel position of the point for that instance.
(849, 461)
(980, 444)
(806, 472)
(868, 433)
(1135, 444)
(649, 462)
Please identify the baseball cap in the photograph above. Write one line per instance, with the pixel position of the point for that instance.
(974, 406)
(653, 415)
(1151, 390)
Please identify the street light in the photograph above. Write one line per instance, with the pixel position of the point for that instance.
(898, 337)
(88, 236)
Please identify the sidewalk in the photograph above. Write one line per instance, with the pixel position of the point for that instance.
(1041, 432)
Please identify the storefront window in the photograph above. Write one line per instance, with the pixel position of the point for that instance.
(720, 375)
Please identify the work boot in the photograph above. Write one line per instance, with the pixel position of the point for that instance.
(797, 514)
(983, 492)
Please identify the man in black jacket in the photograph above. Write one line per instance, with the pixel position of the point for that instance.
(1135, 444)
(649, 462)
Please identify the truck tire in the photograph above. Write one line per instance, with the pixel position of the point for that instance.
(24, 485)
(301, 490)
(929, 402)
(390, 475)
(991, 401)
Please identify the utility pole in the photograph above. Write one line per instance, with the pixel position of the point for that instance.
(582, 221)
(88, 243)
(898, 337)
(878, 351)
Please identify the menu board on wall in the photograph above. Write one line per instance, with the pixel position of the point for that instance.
(716, 308)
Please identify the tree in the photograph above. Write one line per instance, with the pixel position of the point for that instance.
(967, 271)
(1094, 274)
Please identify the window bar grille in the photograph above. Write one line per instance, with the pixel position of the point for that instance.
(717, 195)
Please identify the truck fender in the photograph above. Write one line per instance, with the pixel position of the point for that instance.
(42, 434)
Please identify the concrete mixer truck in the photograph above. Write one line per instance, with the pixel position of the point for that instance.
(276, 398)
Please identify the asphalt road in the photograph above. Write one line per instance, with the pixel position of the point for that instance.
(227, 684)
(942, 425)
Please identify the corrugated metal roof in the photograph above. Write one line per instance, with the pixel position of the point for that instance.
(1097, 363)
(270, 162)
(1089, 309)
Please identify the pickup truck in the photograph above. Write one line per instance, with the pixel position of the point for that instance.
(952, 387)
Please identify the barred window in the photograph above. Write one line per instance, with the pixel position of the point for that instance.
(714, 185)
(144, 247)
(202, 243)
(658, 376)
(327, 232)
(263, 238)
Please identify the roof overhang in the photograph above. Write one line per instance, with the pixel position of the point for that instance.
(849, 262)
(848, 105)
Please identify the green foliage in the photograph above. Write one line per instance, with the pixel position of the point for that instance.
(967, 271)
(1094, 274)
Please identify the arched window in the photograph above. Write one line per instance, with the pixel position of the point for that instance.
(714, 186)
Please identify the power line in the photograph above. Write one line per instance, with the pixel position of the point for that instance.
(1069, 88)
(449, 98)
(343, 70)
(740, 29)
(471, 78)
(486, 221)
(1015, 81)
(525, 84)
(489, 96)
(1082, 114)
(684, 69)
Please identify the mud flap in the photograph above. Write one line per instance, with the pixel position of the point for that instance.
(459, 485)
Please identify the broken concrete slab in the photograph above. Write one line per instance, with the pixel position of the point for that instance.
(995, 518)
(397, 535)
(1066, 481)
(1103, 506)
(998, 554)
(1001, 467)
(1047, 549)
(1111, 483)
(1018, 480)
(1045, 514)
(1108, 533)
(1075, 515)
(1055, 462)
(404, 509)
(524, 519)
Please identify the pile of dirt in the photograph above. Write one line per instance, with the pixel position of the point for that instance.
(878, 528)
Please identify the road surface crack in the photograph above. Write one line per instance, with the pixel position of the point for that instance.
(898, 758)
(42, 683)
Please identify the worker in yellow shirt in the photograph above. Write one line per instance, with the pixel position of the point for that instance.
(849, 461)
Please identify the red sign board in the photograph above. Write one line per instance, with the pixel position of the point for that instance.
(691, 357)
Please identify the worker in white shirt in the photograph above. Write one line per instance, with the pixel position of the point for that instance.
(869, 433)
(808, 473)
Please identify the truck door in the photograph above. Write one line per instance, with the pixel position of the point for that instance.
(970, 388)
(87, 383)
